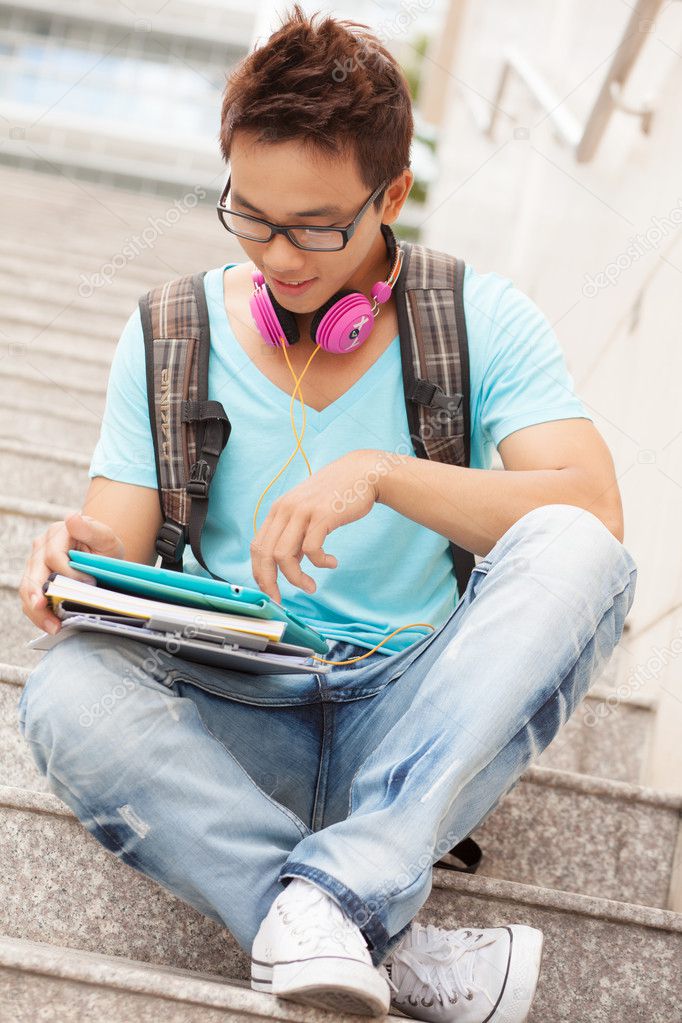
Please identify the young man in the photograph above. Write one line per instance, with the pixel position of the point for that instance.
(304, 813)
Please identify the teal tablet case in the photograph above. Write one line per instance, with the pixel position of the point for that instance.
(196, 591)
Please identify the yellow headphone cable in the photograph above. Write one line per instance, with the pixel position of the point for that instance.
(297, 390)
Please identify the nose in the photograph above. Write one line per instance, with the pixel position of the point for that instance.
(279, 251)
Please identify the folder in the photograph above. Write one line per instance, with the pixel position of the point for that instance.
(217, 650)
(197, 591)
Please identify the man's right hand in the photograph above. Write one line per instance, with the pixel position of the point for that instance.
(49, 553)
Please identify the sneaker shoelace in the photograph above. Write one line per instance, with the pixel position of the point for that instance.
(310, 930)
(442, 966)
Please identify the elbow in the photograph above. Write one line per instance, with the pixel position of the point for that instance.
(618, 529)
(614, 523)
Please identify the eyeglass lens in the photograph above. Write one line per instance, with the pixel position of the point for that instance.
(245, 227)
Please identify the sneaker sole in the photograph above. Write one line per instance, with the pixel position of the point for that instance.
(523, 976)
(357, 987)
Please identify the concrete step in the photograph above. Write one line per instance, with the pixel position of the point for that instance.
(607, 736)
(70, 890)
(553, 829)
(603, 960)
(44, 473)
(51, 388)
(56, 333)
(24, 423)
(582, 834)
(20, 522)
(17, 767)
(87, 986)
(17, 263)
(58, 309)
(63, 368)
(17, 628)
(67, 195)
(173, 254)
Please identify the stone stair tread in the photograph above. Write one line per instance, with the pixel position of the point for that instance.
(603, 960)
(56, 389)
(52, 475)
(582, 934)
(163, 989)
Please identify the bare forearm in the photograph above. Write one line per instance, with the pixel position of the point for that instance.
(475, 507)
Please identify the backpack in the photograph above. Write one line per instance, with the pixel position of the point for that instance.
(190, 432)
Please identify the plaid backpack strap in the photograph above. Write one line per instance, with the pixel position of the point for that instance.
(435, 360)
(189, 431)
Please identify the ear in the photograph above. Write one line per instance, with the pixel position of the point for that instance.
(396, 195)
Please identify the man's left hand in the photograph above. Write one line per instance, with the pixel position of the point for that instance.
(300, 520)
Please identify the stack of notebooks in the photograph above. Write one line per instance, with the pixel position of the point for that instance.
(195, 617)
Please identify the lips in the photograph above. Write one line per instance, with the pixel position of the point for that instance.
(293, 289)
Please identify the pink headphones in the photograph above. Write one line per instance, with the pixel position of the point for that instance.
(341, 325)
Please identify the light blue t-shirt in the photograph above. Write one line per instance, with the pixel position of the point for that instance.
(391, 571)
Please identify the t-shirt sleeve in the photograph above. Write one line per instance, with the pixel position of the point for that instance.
(526, 380)
(125, 449)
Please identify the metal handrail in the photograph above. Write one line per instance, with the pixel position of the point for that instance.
(584, 140)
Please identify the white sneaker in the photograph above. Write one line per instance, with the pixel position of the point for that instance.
(465, 975)
(308, 950)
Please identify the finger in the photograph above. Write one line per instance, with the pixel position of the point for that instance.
(42, 616)
(34, 602)
(312, 546)
(288, 553)
(57, 560)
(95, 534)
(263, 565)
(49, 555)
(36, 570)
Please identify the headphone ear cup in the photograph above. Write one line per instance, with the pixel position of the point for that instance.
(317, 318)
(286, 319)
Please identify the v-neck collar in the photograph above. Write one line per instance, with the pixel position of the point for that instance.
(317, 420)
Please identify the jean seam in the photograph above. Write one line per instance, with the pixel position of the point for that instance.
(180, 675)
(326, 746)
(295, 820)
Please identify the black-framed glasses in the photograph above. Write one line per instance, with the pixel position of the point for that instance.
(303, 236)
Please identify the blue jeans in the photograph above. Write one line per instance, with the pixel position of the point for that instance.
(221, 786)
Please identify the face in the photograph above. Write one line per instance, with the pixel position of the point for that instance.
(284, 180)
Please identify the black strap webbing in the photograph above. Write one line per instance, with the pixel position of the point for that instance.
(470, 854)
(425, 392)
(217, 428)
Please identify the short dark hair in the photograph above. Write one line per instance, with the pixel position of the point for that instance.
(331, 86)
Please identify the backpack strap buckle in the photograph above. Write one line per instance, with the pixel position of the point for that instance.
(199, 479)
(170, 541)
(424, 392)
